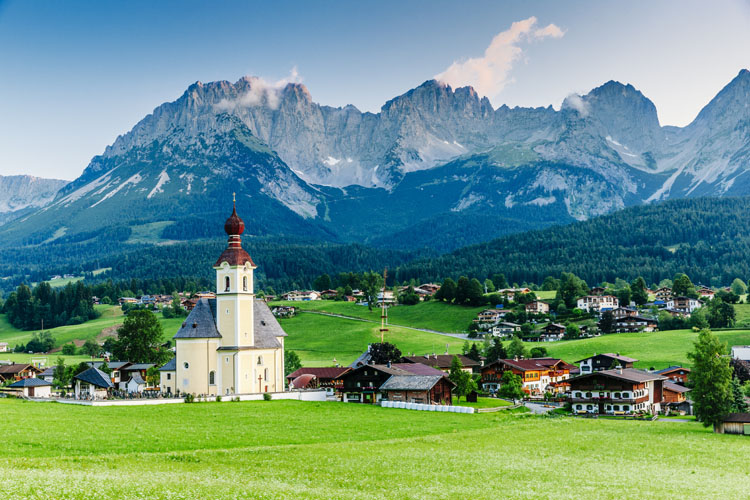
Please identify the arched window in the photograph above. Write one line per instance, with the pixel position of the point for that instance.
(260, 360)
(211, 378)
(244, 283)
(226, 281)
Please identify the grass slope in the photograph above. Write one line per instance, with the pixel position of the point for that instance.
(111, 316)
(286, 449)
(656, 349)
(430, 315)
(318, 339)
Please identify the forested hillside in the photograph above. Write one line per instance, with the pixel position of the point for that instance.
(706, 238)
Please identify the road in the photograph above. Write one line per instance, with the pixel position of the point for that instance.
(540, 408)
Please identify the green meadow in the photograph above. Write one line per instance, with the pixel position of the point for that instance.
(294, 450)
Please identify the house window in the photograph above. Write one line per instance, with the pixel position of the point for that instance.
(588, 394)
(226, 281)
(578, 407)
(626, 408)
(589, 407)
(617, 407)
(169, 376)
(211, 378)
(186, 365)
(244, 283)
(617, 395)
(578, 394)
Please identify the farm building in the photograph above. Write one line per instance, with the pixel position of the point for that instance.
(426, 389)
(622, 391)
(605, 361)
(676, 374)
(32, 387)
(92, 383)
(674, 393)
(735, 423)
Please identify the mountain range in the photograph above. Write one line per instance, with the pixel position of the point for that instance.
(437, 167)
(21, 194)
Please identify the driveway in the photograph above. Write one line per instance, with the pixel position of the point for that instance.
(540, 408)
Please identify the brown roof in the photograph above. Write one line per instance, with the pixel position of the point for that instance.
(738, 417)
(417, 369)
(613, 356)
(535, 363)
(325, 372)
(627, 374)
(17, 368)
(302, 381)
(442, 360)
(671, 386)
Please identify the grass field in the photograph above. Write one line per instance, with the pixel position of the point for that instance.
(656, 349)
(485, 403)
(293, 450)
(431, 315)
(317, 339)
(111, 316)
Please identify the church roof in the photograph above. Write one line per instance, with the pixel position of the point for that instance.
(96, 377)
(170, 366)
(266, 327)
(201, 322)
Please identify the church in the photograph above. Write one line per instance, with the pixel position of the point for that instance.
(231, 344)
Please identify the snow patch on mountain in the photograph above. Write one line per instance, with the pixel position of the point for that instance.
(163, 179)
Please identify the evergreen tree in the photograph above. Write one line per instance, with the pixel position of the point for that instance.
(475, 294)
(447, 291)
(639, 295)
(607, 322)
(463, 292)
(738, 397)
(710, 379)
(500, 281)
(322, 282)
(474, 352)
(496, 351)
(516, 349)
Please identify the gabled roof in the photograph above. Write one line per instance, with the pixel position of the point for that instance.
(118, 365)
(267, 327)
(302, 381)
(442, 360)
(201, 322)
(137, 367)
(738, 417)
(613, 356)
(325, 372)
(671, 386)
(672, 369)
(418, 369)
(412, 382)
(30, 382)
(136, 377)
(17, 368)
(534, 364)
(169, 366)
(626, 374)
(96, 377)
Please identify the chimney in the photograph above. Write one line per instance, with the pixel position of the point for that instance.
(619, 369)
(389, 363)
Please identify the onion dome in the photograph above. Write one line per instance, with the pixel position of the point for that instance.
(234, 225)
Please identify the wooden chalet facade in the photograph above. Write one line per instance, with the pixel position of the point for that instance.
(735, 423)
(537, 374)
(443, 362)
(628, 324)
(363, 384)
(676, 374)
(425, 389)
(597, 303)
(674, 393)
(605, 361)
(537, 307)
(617, 392)
(18, 371)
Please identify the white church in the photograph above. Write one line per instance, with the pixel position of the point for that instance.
(231, 344)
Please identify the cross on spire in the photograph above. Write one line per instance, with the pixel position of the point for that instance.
(234, 197)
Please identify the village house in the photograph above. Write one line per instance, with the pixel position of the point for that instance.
(705, 293)
(92, 383)
(48, 374)
(537, 374)
(735, 423)
(135, 384)
(443, 362)
(425, 389)
(167, 375)
(284, 311)
(537, 307)
(362, 384)
(683, 304)
(32, 387)
(598, 303)
(329, 378)
(512, 292)
(505, 329)
(427, 289)
(634, 324)
(622, 391)
(552, 332)
(489, 317)
(663, 294)
(127, 300)
(18, 371)
(623, 312)
(130, 371)
(3, 347)
(605, 361)
(674, 393)
(301, 295)
(388, 297)
(676, 374)
(598, 290)
(738, 352)
(328, 294)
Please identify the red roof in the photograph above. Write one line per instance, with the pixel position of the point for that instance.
(535, 364)
(302, 381)
(234, 255)
(417, 368)
(443, 360)
(326, 372)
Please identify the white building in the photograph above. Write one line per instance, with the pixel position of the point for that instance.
(683, 304)
(3, 347)
(32, 387)
(741, 352)
(598, 303)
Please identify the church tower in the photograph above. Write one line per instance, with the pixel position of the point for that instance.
(234, 288)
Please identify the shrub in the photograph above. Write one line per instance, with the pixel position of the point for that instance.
(218, 399)
(266, 396)
(189, 398)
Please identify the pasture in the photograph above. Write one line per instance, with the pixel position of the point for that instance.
(292, 450)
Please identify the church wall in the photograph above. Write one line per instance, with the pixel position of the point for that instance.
(226, 368)
(167, 381)
(200, 354)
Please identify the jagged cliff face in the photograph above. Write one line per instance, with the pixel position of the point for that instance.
(432, 155)
(21, 193)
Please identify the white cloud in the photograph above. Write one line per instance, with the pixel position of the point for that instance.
(574, 101)
(489, 74)
(261, 92)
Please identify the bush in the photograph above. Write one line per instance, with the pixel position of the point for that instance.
(266, 396)
(189, 398)
(218, 399)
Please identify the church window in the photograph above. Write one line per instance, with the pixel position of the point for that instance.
(265, 374)
(260, 360)
(211, 378)
(169, 376)
(226, 360)
(186, 365)
(226, 281)
(244, 283)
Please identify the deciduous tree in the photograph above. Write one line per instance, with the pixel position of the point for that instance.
(710, 379)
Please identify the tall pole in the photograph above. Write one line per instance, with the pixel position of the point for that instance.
(384, 313)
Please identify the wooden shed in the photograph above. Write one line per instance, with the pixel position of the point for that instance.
(735, 423)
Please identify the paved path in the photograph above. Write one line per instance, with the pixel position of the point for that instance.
(461, 336)
(540, 408)
(667, 419)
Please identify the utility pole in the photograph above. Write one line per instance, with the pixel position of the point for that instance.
(384, 310)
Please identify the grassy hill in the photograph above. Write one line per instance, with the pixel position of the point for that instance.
(291, 450)
(111, 316)
(318, 339)
(430, 315)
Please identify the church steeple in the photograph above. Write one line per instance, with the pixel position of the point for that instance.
(234, 254)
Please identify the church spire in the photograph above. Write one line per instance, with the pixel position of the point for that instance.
(234, 254)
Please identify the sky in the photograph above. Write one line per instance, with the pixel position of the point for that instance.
(75, 75)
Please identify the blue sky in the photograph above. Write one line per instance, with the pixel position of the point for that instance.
(74, 75)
